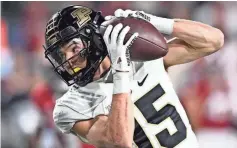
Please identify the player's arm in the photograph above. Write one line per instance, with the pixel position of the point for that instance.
(116, 129)
(192, 40)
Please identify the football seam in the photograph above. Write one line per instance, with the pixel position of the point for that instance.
(149, 42)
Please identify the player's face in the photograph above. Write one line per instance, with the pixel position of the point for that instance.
(70, 51)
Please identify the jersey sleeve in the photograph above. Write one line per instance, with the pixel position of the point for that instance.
(65, 118)
(76, 106)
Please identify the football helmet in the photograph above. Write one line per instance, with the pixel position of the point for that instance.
(64, 26)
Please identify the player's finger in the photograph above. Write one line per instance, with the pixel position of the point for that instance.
(127, 13)
(108, 20)
(119, 13)
(115, 32)
(122, 35)
(132, 39)
(109, 17)
(107, 33)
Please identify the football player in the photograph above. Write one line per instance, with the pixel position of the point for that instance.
(115, 102)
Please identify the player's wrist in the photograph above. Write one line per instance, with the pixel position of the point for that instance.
(121, 64)
(164, 25)
(121, 82)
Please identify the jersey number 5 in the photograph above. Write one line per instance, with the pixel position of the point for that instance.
(163, 124)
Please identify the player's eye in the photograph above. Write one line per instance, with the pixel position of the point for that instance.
(75, 49)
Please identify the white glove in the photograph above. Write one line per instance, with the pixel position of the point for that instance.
(119, 55)
(118, 52)
(164, 25)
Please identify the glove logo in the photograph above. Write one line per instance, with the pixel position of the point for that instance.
(142, 82)
(119, 60)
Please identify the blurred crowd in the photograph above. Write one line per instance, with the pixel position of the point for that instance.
(29, 87)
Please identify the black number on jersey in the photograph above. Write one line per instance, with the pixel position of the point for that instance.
(155, 117)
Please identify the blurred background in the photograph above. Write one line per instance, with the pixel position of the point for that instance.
(207, 87)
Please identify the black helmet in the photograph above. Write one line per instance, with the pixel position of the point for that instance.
(70, 23)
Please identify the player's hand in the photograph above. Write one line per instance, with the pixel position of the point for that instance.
(164, 25)
(118, 51)
(129, 13)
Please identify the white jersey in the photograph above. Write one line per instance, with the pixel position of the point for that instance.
(160, 120)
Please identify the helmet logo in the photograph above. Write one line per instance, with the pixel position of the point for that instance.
(82, 14)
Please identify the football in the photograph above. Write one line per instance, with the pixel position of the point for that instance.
(149, 45)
